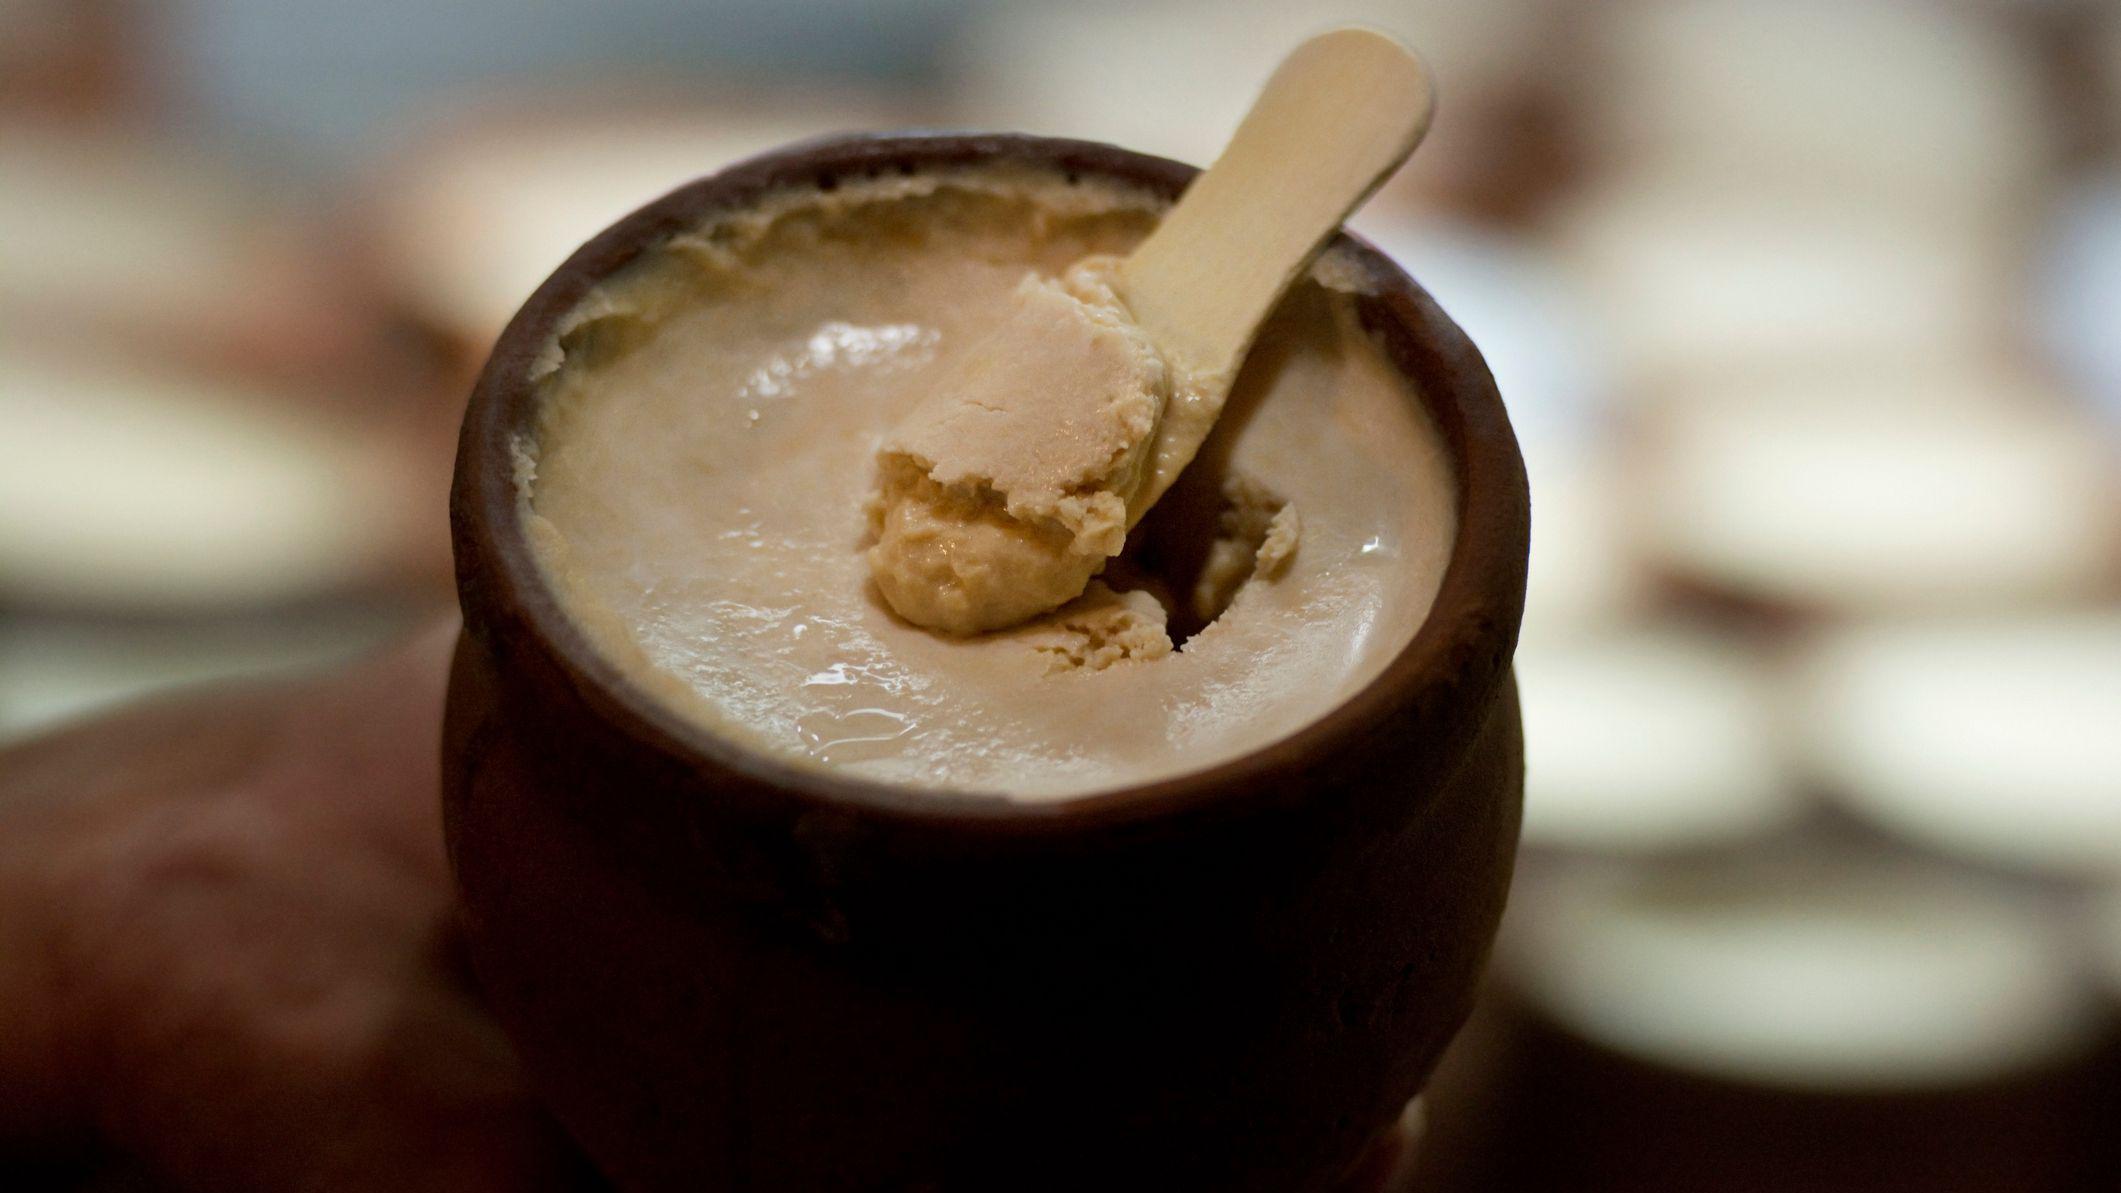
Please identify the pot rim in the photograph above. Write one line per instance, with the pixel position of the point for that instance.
(1447, 673)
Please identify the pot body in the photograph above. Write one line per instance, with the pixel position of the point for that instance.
(726, 975)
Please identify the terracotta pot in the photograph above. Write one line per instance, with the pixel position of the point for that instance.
(726, 972)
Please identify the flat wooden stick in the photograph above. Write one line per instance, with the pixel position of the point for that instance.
(1337, 118)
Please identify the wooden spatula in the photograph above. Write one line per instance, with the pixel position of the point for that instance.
(1336, 119)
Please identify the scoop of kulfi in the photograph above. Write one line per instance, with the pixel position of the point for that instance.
(1013, 483)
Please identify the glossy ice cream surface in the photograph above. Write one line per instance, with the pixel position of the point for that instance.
(701, 494)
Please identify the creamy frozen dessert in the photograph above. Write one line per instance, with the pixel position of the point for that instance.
(739, 426)
(1014, 482)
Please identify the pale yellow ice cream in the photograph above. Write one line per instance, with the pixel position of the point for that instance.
(700, 494)
(1014, 482)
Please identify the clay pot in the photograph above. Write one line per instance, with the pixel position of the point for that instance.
(725, 972)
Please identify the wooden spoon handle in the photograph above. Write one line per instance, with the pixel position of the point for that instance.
(1338, 116)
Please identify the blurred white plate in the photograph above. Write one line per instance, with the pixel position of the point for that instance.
(1873, 509)
(124, 487)
(126, 233)
(1996, 739)
(1823, 974)
(481, 207)
(1650, 741)
(1694, 280)
(1918, 108)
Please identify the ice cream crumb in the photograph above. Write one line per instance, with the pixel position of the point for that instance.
(1279, 544)
(1255, 535)
(1100, 628)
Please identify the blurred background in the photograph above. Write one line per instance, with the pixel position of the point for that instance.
(1808, 313)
